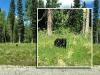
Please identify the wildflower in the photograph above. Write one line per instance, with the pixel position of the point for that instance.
(86, 45)
(74, 43)
(57, 54)
(70, 52)
(52, 43)
(89, 52)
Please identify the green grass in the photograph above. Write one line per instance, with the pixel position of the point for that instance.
(23, 54)
(96, 54)
(77, 52)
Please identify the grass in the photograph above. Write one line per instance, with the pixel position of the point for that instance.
(77, 52)
(23, 54)
(96, 54)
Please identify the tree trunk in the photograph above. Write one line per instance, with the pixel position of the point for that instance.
(19, 37)
(84, 20)
(87, 22)
(31, 40)
(49, 22)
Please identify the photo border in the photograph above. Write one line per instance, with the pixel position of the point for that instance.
(66, 67)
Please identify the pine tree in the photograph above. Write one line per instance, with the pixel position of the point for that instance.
(11, 18)
(52, 4)
(76, 4)
(84, 5)
(55, 4)
(27, 10)
(2, 26)
(16, 30)
(76, 20)
(20, 21)
(33, 22)
(95, 21)
(27, 33)
(0, 9)
(48, 4)
(41, 4)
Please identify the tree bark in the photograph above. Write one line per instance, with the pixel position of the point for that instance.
(49, 22)
(87, 22)
(19, 37)
(84, 20)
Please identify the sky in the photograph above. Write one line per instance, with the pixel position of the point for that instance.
(4, 4)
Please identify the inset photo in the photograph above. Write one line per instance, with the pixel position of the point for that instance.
(64, 37)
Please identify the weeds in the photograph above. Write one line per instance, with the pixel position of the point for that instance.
(77, 52)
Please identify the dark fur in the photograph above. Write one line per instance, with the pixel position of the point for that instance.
(16, 44)
(60, 42)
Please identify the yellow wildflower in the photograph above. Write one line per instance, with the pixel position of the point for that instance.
(44, 44)
(70, 52)
(74, 43)
(89, 52)
(86, 45)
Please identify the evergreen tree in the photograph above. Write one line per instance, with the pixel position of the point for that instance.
(52, 4)
(27, 10)
(76, 20)
(27, 33)
(84, 5)
(41, 4)
(95, 22)
(60, 18)
(76, 4)
(27, 13)
(33, 22)
(16, 30)
(48, 4)
(55, 4)
(2, 26)
(20, 21)
(0, 9)
(11, 18)
(71, 5)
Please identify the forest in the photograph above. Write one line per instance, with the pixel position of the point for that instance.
(61, 23)
(25, 22)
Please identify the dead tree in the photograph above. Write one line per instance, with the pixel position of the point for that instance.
(49, 22)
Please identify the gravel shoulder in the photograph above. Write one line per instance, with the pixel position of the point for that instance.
(26, 70)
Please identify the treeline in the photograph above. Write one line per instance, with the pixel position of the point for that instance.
(77, 20)
(21, 22)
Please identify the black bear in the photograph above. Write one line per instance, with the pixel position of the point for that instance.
(60, 42)
(16, 44)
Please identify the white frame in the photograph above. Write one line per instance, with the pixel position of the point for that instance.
(67, 67)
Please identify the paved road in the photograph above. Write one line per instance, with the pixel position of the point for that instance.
(15, 70)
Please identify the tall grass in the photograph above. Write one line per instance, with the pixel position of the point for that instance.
(96, 54)
(77, 52)
(23, 54)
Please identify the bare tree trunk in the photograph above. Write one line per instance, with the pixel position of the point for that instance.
(49, 22)
(31, 40)
(97, 37)
(19, 37)
(84, 20)
(87, 22)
